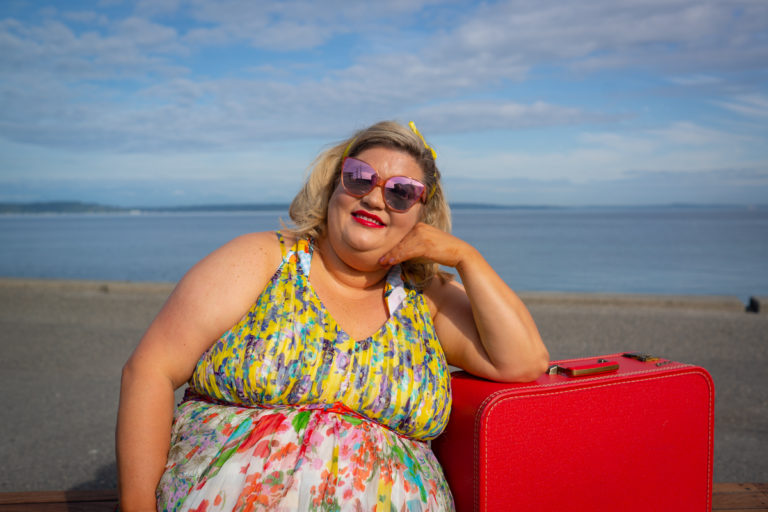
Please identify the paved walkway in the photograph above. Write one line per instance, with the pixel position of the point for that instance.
(62, 345)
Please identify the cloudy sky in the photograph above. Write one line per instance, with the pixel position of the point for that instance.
(526, 101)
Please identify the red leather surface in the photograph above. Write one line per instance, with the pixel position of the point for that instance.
(640, 439)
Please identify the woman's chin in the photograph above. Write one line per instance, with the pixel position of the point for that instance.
(365, 261)
(357, 253)
(366, 246)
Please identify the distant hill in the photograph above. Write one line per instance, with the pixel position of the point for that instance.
(218, 208)
(81, 207)
(59, 207)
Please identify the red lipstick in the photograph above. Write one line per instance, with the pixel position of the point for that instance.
(368, 219)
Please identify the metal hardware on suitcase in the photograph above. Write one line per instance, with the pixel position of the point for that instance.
(622, 432)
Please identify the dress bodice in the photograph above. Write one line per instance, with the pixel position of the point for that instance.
(288, 350)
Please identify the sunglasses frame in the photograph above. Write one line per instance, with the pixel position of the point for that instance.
(377, 182)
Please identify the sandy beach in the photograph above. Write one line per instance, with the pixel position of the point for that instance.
(63, 343)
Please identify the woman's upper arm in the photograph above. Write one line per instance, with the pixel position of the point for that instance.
(456, 330)
(208, 300)
(456, 327)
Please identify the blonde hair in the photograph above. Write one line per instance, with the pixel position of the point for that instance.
(309, 209)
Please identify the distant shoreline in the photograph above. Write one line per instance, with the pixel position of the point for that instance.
(78, 207)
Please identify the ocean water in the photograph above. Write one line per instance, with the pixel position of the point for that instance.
(669, 250)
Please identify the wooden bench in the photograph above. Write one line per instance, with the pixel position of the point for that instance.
(59, 501)
(726, 497)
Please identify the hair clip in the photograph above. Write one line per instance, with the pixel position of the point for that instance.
(349, 147)
(413, 128)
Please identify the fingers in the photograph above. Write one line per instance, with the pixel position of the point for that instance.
(424, 242)
(406, 249)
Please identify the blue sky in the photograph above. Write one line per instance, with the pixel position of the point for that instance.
(589, 102)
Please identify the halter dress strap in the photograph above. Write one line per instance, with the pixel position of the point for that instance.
(300, 252)
(281, 240)
(394, 290)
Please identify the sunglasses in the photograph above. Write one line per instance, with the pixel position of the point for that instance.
(400, 192)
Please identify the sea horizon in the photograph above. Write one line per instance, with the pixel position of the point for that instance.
(85, 207)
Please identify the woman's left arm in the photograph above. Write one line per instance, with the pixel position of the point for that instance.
(483, 326)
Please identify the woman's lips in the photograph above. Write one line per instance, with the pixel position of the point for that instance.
(368, 219)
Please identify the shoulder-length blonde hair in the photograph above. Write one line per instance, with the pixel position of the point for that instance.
(309, 209)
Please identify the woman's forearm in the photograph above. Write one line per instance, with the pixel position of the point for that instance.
(142, 436)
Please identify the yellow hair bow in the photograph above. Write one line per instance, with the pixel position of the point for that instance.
(415, 130)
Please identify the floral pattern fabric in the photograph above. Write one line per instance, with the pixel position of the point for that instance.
(287, 412)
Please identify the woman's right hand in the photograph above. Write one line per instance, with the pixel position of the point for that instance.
(425, 242)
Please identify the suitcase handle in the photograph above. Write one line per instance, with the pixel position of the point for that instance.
(583, 370)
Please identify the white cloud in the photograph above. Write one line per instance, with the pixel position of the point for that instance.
(463, 116)
(144, 33)
(595, 34)
(752, 105)
(600, 156)
(85, 17)
(695, 80)
(689, 134)
(53, 52)
(296, 24)
(151, 8)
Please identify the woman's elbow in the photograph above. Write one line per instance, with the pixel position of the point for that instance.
(526, 371)
(143, 372)
(537, 368)
(128, 372)
(134, 369)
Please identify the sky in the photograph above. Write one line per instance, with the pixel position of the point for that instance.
(527, 102)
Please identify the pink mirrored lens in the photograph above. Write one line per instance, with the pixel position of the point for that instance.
(401, 192)
(358, 178)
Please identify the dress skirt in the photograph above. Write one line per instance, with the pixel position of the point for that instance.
(295, 458)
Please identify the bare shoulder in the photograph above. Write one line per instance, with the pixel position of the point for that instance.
(224, 284)
(242, 266)
(249, 248)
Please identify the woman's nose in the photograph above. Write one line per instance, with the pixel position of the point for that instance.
(375, 198)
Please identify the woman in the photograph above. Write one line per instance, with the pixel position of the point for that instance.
(317, 358)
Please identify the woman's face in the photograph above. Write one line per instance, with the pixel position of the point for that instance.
(362, 229)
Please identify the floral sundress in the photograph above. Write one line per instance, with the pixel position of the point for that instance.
(286, 412)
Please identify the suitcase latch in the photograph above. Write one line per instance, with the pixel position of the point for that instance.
(582, 370)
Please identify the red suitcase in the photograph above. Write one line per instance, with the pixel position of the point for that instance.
(636, 437)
